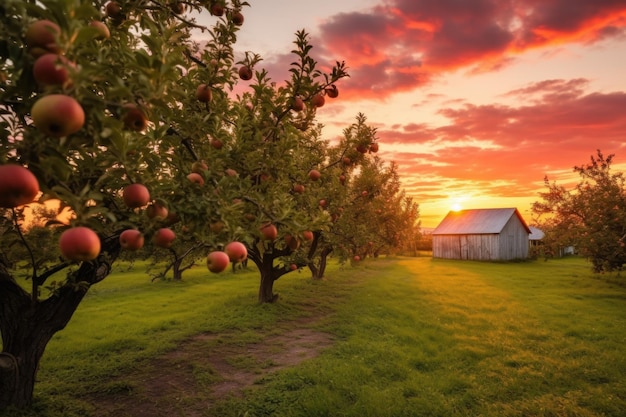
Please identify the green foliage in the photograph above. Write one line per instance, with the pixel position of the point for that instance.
(590, 216)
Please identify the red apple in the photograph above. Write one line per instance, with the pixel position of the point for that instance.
(237, 18)
(297, 104)
(269, 231)
(361, 148)
(342, 179)
(217, 261)
(245, 73)
(217, 9)
(307, 235)
(102, 30)
(57, 115)
(231, 172)
(314, 175)
(136, 195)
(293, 267)
(158, 211)
(79, 244)
(356, 258)
(374, 147)
(318, 100)
(199, 167)
(204, 93)
(216, 143)
(298, 188)
(51, 69)
(322, 203)
(131, 239)
(113, 9)
(134, 118)
(364, 193)
(346, 160)
(236, 251)
(41, 37)
(164, 237)
(18, 186)
(196, 178)
(332, 91)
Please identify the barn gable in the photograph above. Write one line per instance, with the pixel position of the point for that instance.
(482, 234)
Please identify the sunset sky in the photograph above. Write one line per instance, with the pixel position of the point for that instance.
(475, 100)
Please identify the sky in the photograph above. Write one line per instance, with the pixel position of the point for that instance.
(476, 101)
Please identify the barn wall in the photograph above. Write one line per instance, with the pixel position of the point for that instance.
(479, 247)
(513, 240)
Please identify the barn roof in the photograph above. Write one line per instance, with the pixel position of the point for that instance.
(477, 221)
(535, 233)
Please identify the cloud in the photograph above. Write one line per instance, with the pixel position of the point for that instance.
(404, 44)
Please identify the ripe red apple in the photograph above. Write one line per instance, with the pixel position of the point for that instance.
(269, 231)
(136, 195)
(164, 237)
(134, 118)
(102, 30)
(361, 148)
(131, 239)
(342, 179)
(332, 91)
(314, 175)
(322, 203)
(216, 143)
(51, 69)
(18, 186)
(157, 211)
(217, 9)
(231, 172)
(318, 100)
(245, 72)
(307, 235)
(298, 188)
(113, 9)
(364, 193)
(204, 93)
(57, 115)
(196, 178)
(293, 267)
(346, 160)
(297, 104)
(237, 18)
(356, 258)
(236, 251)
(41, 37)
(217, 261)
(79, 244)
(374, 147)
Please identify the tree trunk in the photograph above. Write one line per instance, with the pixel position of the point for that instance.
(318, 270)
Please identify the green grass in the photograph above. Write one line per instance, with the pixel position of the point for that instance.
(414, 337)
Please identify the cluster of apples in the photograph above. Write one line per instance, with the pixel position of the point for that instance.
(314, 175)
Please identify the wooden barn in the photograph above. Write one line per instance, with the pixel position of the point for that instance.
(482, 234)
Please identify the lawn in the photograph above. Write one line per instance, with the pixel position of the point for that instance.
(408, 337)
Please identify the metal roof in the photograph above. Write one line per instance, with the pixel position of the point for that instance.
(477, 221)
(535, 233)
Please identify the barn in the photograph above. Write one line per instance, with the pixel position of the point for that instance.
(482, 234)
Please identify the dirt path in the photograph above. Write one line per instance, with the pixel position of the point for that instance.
(187, 381)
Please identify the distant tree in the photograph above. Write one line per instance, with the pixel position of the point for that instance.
(591, 216)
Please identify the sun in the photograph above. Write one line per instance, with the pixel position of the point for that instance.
(456, 207)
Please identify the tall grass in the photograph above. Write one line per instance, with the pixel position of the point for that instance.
(414, 337)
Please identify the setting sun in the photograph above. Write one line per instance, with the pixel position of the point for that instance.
(456, 207)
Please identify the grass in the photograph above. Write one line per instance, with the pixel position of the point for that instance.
(414, 337)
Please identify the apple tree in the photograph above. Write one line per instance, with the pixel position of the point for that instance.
(589, 216)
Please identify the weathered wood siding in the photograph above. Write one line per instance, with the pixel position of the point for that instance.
(510, 243)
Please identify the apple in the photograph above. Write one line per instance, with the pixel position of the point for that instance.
(164, 237)
(292, 242)
(131, 239)
(332, 91)
(374, 147)
(196, 178)
(102, 30)
(199, 167)
(269, 231)
(79, 244)
(361, 148)
(237, 18)
(236, 251)
(314, 175)
(18, 186)
(41, 37)
(364, 193)
(134, 118)
(307, 235)
(217, 9)
(298, 188)
(136, 195)
(245, 73)
(51, 69)
(342, 179)
(356, 258)
(346, 160)
(249, 217)
(216, 143)
(297, 104)
(113, 10)
(293, 267)
(322, 203)
(157, 211)
(204, 93)
(217, 226)
(217, 261)
(231, 172)
(57, 115)
(318, 100)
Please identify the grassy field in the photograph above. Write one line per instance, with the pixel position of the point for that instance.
(409, 337)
